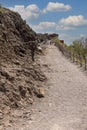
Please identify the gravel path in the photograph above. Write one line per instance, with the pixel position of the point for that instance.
(65, 104)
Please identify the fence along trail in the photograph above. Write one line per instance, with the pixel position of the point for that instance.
(78, 58)
(65, 104)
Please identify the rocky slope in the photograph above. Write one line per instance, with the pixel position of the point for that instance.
(14, 32)
(20, 78)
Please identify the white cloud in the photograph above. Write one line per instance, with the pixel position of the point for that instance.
(74, 21)
(44, 26)
(83, 35)
(63, 27)
(30, 12)
(54, 7)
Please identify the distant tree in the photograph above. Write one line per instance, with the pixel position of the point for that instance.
(0, 5)
(79, 46)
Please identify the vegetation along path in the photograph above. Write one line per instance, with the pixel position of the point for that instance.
(65, 104)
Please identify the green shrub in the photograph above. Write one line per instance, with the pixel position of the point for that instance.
(78, 47)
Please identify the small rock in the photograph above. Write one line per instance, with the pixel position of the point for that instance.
(6, 110)
(22, 91)
(17, 62)
(40, 92)
(2, 88)
(0, 111)
(39, 49)
(6, 123)
(1, 114)
(30, 100)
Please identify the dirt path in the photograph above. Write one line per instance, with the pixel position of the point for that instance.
(65, 104)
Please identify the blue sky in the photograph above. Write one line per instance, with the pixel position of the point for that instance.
(68, 18)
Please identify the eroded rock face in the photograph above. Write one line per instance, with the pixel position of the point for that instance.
(14, 34)
(18, 74)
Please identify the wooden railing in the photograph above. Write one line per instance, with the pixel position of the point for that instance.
(74, 57)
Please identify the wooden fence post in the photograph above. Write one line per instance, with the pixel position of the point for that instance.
(73, 57)
(85, 62)
(70, 55)
(80, 60)
(77, 59)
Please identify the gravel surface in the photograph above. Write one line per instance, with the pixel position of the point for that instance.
(65, 104)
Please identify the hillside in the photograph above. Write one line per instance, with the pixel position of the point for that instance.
(14, 32)
(20, 77)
